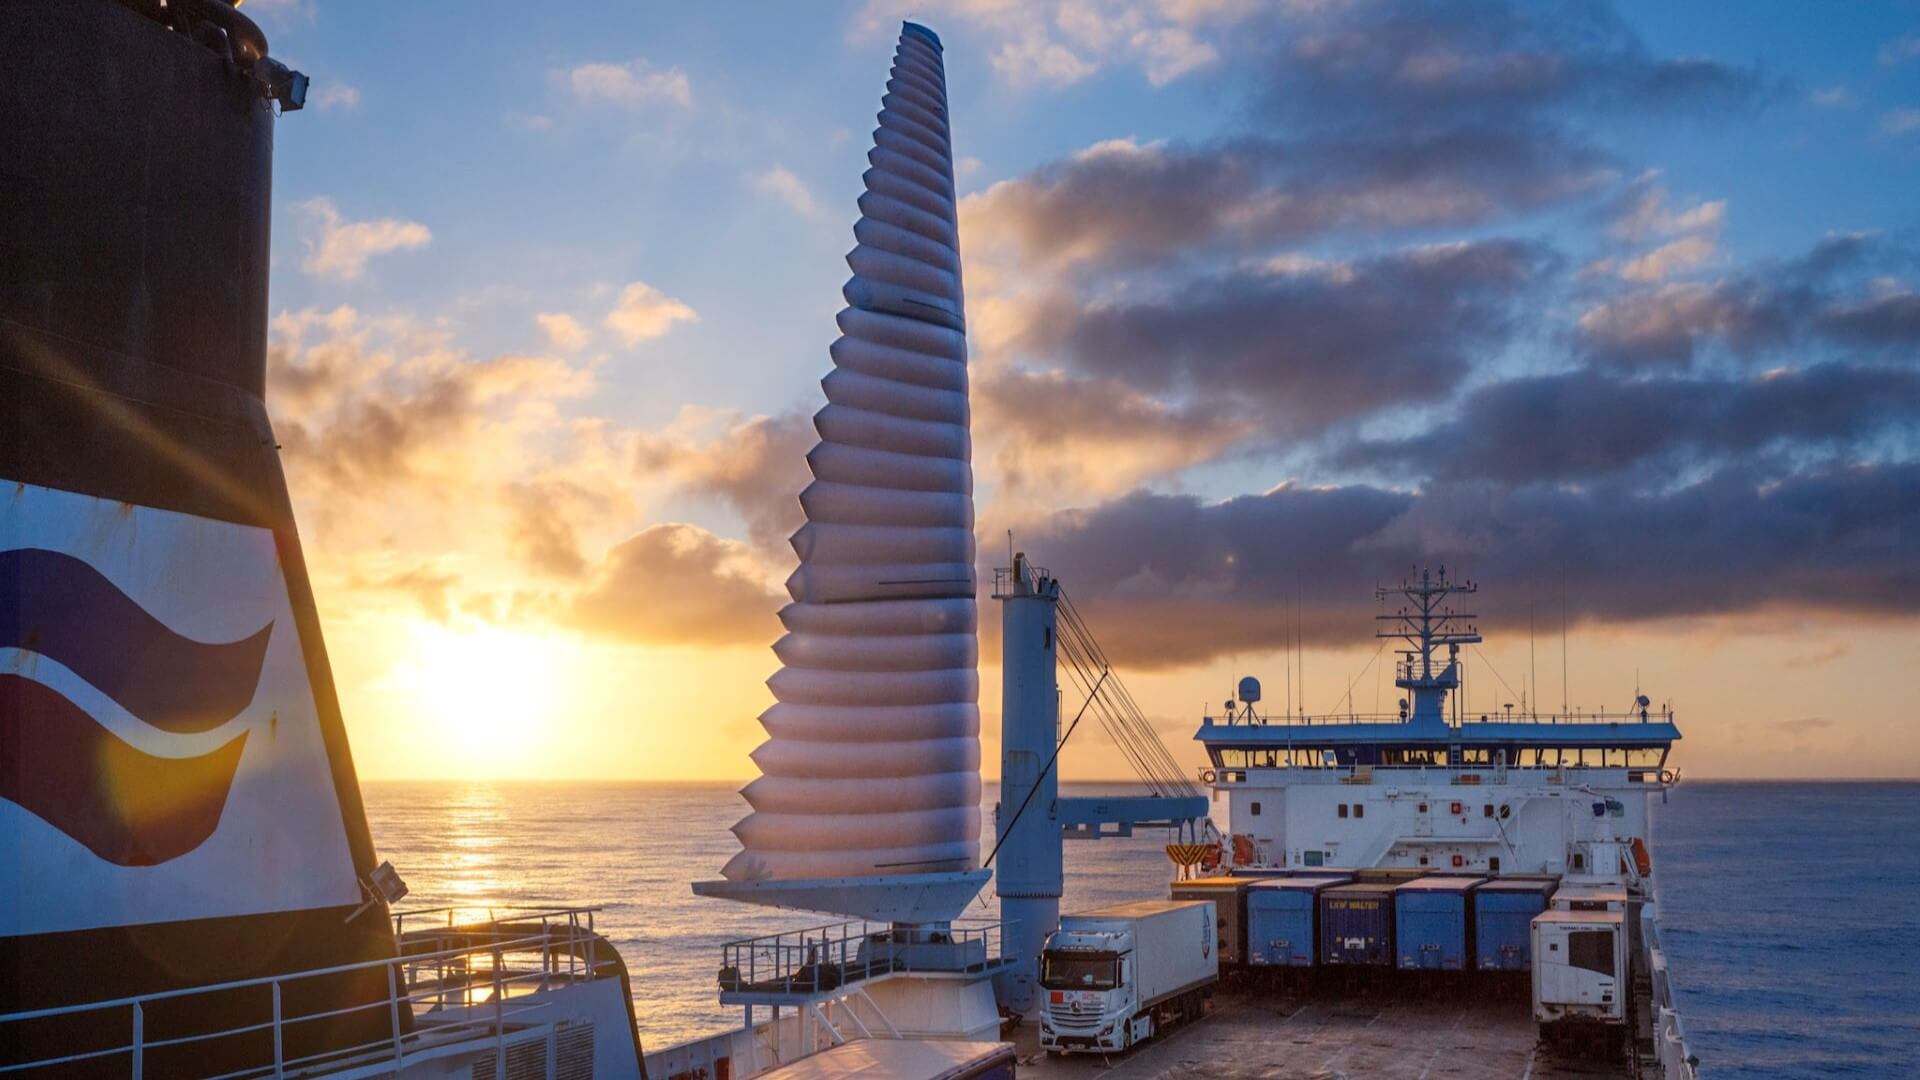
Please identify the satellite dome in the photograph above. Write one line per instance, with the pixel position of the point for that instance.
(1249, 689)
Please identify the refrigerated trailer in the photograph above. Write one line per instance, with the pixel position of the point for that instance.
(1116, 976)
(1580, 975)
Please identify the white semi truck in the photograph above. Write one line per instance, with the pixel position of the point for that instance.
(1116, 976)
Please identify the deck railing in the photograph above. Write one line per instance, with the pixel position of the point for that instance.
(1572, 716)
(826, 958)
(1670, 1037)
(460, 983)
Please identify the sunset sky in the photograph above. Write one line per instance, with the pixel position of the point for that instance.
(1612, 309)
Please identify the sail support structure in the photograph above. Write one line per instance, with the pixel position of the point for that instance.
(870, 784)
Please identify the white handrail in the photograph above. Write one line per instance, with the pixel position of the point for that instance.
(405, 986)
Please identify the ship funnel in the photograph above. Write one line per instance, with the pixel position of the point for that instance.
(178, 807)
(869, 798)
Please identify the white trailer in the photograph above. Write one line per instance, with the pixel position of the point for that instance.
(1116, 976)
(1580, 975)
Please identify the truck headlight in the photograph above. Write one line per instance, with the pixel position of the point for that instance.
(1106, 1031)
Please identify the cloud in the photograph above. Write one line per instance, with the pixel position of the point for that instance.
(1172, 580)
(1581, 425)
(525, 121)
(644, 313)
(1051, 434)
(547, 521)
(1034, 59)
(1303, 351)
(1670, 258)
(1058, 43)
(362, 404)
(1667, 324)
(632, 84)
(1171, 52)
(1820, 657)
(430, 589)
(1190, 283)
(1891, 319)
(426, 473)
(1759, 309)
(338, 248)
(1123, 204)
(1901, 121)
(1837, 96)
(329, 96)
(563, 331)
(1643, 211)
(1420, 66)
(1900, 50)
(786, 187)
(678, 585)
(756, 466)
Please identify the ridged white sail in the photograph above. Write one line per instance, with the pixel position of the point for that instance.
(872, 761)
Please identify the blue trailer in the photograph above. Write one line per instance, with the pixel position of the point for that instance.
(1503, 911)
(1430, 921)
(1356, 924)
(1283, 919)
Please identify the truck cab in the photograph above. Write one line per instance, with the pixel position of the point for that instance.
(1090, 996)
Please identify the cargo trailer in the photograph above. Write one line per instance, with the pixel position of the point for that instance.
(1356, 924)
(1432, 917)
(1503, 911)
(1283, 919)
(1119, 975)
(1580, 976)
(1229, 896)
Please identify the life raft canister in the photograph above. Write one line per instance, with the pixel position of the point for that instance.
(1642, 861)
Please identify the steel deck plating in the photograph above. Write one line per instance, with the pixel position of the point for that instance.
(1244, 1037)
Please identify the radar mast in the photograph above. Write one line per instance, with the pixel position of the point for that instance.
(1426, 620)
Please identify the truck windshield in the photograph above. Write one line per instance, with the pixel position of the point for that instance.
(1079, 971)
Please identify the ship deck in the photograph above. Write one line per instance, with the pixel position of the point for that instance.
(1277, 1037)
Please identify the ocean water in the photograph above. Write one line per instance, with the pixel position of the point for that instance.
(1791, 911)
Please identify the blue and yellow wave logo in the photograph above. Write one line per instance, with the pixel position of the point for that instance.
(58, 762)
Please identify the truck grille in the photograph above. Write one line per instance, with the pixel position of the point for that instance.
(1064, 1018)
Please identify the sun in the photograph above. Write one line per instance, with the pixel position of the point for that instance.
(490, 693)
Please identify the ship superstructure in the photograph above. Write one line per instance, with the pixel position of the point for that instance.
(1427, 788)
